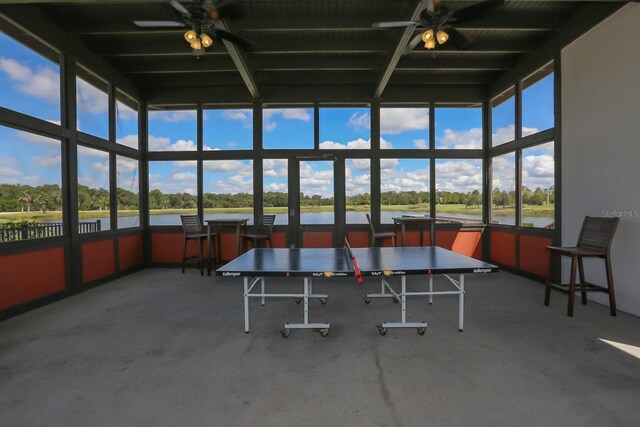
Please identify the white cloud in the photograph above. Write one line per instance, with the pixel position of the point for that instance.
(47, 161)
(173, 116)
(161, 143)
(503, 169)
(100, 166)
(237, 166)
(90, 152)
(314, 181)
(91, 99)
(232, 185)
(355, 144)
(7, 171)
(43, 83)
(471, 138)
(124, 112)
(397, 120)
(240, 115)
(359, 165)
(529, 131)
(9, 161)
(422, 144)
(359, 121)
(184, 176)
(537, 171)
(459, 175)
(502, 135)
(124, 164)
(388, 164)
(32, 138)
(130, 141)
(270, 114)
(277, 187)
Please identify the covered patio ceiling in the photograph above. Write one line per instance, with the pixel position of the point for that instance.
(313, 50)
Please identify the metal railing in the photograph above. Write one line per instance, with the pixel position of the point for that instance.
(43, 229)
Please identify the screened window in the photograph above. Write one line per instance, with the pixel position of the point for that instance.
(173, 128)
(459, 189)
(358, 190)
(30, 82)
(126, 120)
(228, 189)
(537, 101)
(404, 188)
(128, 199)
(287, 128)
(458, 127)
(172, 191)
(228, 129)
(30, 186)
(503, 193)
(342, 128)
(92, 100)
(316, 192)
(538, 186)
(93, 190)
(503, 117)
(275, 183)
(404, 128)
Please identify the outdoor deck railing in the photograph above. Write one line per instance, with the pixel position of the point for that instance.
(44, 229)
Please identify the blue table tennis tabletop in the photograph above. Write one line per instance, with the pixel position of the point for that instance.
(310, 262)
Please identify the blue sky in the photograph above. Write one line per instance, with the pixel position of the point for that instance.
(31, 85)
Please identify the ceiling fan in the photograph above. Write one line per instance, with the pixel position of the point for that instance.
(201, 16)
(437, 21)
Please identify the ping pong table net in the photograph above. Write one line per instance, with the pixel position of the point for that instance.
(352, 257)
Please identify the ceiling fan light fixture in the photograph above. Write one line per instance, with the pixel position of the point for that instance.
(427, 35)
(190, 36)
(206, 40)
(196, 44)
(442, 37)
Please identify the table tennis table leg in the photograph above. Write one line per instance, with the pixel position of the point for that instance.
(431, 289)
(420, 326)
(246, 305)
(262, 289)
(322, 327)
(461, 304)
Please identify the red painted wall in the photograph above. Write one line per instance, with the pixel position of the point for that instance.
(468, 243)
(413, 238)
(98, 260)
(503, 248)
(358, 239)
(167, 247)
(534, 257)
(130, 252)
(31, 275)
(317, 239)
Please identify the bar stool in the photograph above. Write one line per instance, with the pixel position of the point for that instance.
(193, 230)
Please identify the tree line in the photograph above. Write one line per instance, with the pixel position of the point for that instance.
(48, 197)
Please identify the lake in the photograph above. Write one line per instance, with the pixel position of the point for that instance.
(312, 218)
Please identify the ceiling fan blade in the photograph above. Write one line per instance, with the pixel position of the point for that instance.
(477, 10)
(246, 45)
(159, 24)
(225, 10)
(394, 24)
(179, 7)
(457, 39)
(412, 44)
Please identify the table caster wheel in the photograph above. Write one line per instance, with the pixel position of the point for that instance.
(367, 300)
(382, 331)
(323, 301)
(421, 331)
(395, 300)
(297, 300)
(324, 332)
(285, 333)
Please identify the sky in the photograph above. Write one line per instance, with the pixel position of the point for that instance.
(31, 86)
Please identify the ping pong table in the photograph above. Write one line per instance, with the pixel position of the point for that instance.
(310, 263)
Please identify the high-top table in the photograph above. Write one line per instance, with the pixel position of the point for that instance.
(219, 223)
(420, 220)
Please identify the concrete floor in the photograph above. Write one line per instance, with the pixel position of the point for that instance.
(158, 348)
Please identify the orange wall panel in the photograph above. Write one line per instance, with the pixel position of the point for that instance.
(534, 257)
(503, 248)
(317, 239)
(130, 252)
(98, 260)
(31, 275)
(413, 238)
(358, 239)
(279, 240)
(167, 247)
(468, 243)
(445, 238)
